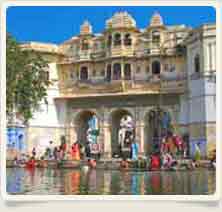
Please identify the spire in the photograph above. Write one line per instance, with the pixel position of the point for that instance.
(86, 28)
(156, 20)
(121, 19)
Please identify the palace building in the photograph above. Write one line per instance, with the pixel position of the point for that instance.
(143, 73)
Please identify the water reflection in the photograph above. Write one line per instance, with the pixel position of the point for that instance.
(58, 181)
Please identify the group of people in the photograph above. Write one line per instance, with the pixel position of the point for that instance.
(164, 155)
(172, 146)
(76, 152)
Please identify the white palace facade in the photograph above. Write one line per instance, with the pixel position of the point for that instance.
(129, 71)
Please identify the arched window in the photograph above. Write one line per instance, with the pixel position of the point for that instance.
(197, 63)
(117, 71)
(127, 40)
(84, 73)
(127, 72)
(156, 67)
(109, 41)
(117, 39)
(108, 73)
(85, 45)
(156, 36)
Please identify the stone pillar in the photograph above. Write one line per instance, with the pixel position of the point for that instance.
(107, 140)
(140, 136)
(122, 69)
(111, 70)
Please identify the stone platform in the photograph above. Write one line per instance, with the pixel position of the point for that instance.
(113, 164)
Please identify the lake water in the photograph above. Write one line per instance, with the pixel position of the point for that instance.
(67, 181)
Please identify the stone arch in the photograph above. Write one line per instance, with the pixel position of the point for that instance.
(154, 129)
(81, 124)
(114, 121)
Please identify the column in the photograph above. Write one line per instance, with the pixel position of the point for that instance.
(111, 70)
(122, 75)
(122, 69)
(140, 136)
(107, 140)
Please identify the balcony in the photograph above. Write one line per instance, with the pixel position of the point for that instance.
(98, 55)
(120, 51)
(102, 87)
(84, 55)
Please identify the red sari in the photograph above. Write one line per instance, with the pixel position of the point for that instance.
(75, 152)
(155, 162)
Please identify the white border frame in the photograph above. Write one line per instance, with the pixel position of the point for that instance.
(19, 198)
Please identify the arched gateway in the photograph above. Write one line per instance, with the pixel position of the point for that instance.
(157, 125)
(82, 123)
(117, 119)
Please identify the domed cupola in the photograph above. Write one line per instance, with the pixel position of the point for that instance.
(86, 28)
(121, 20)
(156, 20)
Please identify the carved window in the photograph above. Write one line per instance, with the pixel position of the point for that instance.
(156, 67)
(127, 72)
(85, 45)
(156, 36)
(117, 39)
(84, 73)
(117, 71)
(127, 40)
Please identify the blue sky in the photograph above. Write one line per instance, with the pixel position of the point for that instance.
(57, 24)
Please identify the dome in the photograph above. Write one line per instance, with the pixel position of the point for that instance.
(86, 28)
(121, 19)
(156, 20)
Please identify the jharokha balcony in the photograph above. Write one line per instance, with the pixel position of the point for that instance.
(158, 84)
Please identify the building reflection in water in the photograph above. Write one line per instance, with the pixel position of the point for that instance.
(58, 181)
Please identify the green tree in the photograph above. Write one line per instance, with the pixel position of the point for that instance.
(26, 80)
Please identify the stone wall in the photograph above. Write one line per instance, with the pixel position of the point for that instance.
(39, 137)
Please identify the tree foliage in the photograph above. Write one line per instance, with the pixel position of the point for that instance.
(26, 80)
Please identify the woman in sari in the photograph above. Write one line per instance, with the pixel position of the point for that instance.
(75, 151)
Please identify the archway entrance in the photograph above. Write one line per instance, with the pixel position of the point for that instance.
(82, 123)
(116, 119)
(157, 125)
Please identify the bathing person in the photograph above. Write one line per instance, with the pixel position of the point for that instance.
(55, 155)
(50, 150)
(33, 152)
(92, 163)
(155, 161)
(75, 151)
(87, 150)
(124, 164)
(167, 160)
